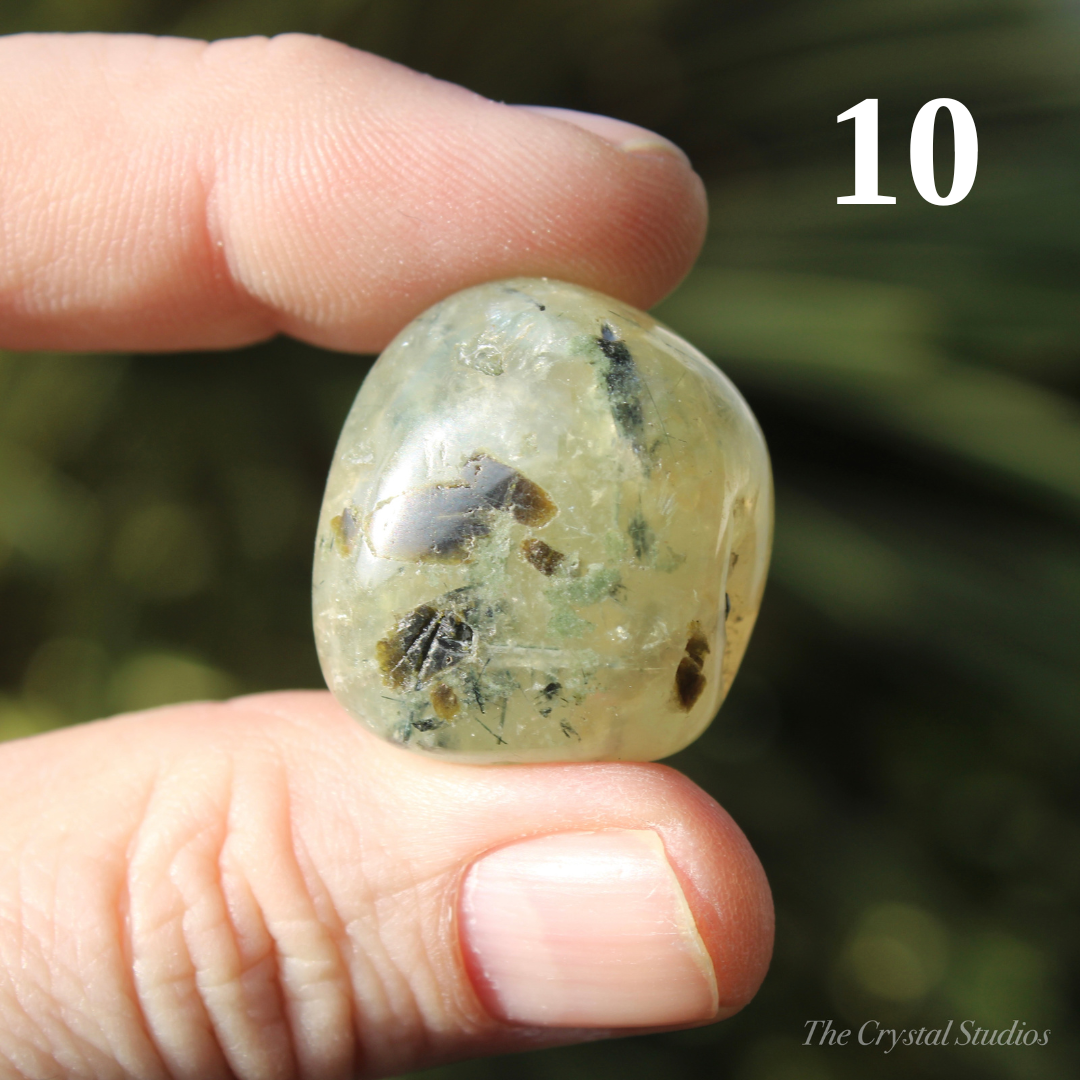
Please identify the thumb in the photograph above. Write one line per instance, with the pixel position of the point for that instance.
(261, 889)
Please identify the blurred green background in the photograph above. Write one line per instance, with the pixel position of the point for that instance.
(902, 743)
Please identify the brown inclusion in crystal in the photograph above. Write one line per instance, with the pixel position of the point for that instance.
(444, 701)
(345, 528)
(544, 557)
(503, 488)
(689, 680)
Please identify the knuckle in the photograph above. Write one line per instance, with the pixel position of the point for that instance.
(234, 970)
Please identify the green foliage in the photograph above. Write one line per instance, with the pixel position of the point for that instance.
(902, 745)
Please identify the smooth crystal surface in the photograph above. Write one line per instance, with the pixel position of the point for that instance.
(545, 533)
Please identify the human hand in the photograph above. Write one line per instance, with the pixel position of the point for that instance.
(259, 888)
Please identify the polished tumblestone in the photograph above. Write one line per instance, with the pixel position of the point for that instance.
(545, 533)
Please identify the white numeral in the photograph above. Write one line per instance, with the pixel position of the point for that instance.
(866, 154)
(965, 153)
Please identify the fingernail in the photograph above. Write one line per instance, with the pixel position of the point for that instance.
(585, 930)
(628, 137)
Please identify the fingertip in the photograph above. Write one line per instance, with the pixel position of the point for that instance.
(645, 240)
(641, 907)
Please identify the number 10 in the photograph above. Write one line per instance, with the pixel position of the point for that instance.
(965, 153)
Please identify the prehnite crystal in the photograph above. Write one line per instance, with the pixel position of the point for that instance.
(545, 533)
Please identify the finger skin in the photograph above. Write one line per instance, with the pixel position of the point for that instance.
(161, 193)
(261, 889)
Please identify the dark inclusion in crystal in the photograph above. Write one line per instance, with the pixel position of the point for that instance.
(427, 724)
(641, 536)
(689, 680)
(544, 557)
(624, 387)
(442, 522)
(548, 693)
(424, 643)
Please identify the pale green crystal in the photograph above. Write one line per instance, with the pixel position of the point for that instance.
(545, 533)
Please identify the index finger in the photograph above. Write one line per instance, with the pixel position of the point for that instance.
(164, 194)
